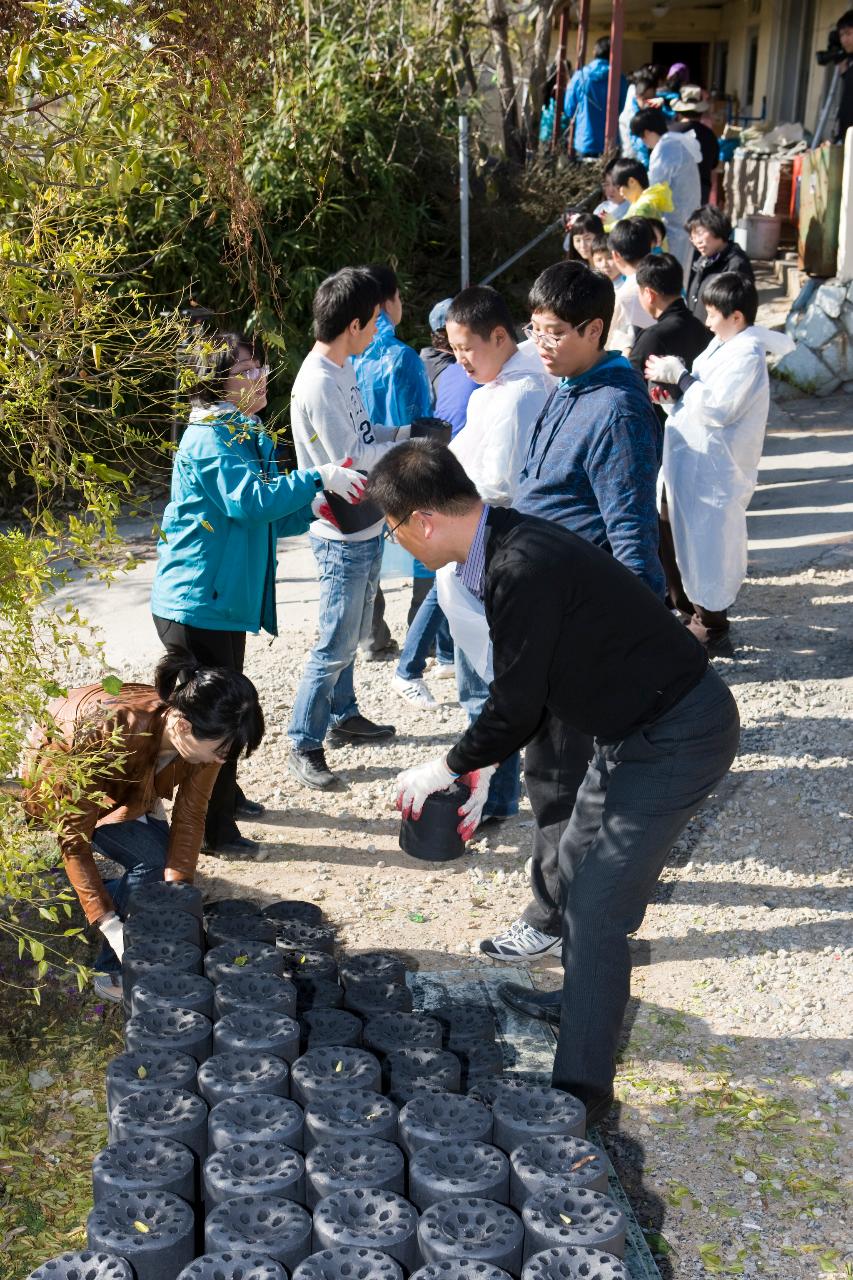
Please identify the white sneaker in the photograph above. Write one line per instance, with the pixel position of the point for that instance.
(415, 692)
(444, 670)
(521, 942)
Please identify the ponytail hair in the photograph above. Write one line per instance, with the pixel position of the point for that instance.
(220, 705)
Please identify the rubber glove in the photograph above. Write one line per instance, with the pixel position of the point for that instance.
(342, 480)
(321, 509)
(664, 369)
(415, 785)
(471, 811)
(113, 930)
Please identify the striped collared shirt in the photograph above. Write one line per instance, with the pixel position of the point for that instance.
(472, 571)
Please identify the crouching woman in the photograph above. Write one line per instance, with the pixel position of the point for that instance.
(127, 753)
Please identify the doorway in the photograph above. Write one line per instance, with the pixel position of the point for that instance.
(696, 54)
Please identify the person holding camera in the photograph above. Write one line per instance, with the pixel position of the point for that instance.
(844, 30)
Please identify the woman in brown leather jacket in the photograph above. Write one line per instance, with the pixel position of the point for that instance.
(143, 745)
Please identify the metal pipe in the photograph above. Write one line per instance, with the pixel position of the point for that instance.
(464, 200)
(531, 244)
(560, 87)
(617, 25)
(583, 33)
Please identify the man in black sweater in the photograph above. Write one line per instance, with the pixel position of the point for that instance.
(676, 332)
(664, 726)
(709, 229)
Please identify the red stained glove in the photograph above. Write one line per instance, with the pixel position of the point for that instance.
(471, 811)
(323, 511)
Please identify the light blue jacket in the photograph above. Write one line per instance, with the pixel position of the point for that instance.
(392, 379)
(228, 505)
(586, 104)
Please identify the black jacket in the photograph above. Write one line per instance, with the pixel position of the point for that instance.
(676, 333)
(707, 140)
(731, 258)
(576, 634)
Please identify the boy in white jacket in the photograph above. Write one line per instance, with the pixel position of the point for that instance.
(713, 441)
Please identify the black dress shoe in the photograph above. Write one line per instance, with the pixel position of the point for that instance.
(358, 731)
(542, 1005)
(598, 1107)
(249, 808)
(239, 847)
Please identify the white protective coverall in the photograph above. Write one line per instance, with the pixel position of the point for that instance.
(712, 446)
(675, 160)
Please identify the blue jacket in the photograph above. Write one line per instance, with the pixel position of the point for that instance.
(392, 379)
(593, 462)
(586, 103)
(228, 505)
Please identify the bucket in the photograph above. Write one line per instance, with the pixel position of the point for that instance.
(353, 517)
(433, 837)
(762, 236)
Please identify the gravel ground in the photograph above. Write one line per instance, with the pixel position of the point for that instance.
(733, 1082)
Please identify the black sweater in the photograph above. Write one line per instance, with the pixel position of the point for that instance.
(574, 633)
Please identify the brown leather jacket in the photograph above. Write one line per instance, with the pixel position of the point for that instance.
(89, 720)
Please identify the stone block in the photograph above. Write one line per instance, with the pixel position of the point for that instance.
(817, 328)
(804, 369)
(831, 298)
(847, 388)
(835, 356)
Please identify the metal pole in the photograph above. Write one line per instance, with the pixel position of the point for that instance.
(531, 244)
(583, 32)
(464, 239)
(617, 24)
(560, 87)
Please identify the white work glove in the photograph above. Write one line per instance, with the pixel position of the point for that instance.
(664, 369)
(415, 785)
(471, 811)
(113, 930)
(342, 480)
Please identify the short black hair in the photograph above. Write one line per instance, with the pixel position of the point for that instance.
(729, 292)
(632, 238)
(656, 224)
(209, 359)
(386, 279)
(601, 244)
(574, 293)
(846, 20)
(421, 475)
(644, 85)
(601, 48)
(712, 219)
(350, 294)
(661, 272)
(626, 169)
(219, 703)
(482, 310)
(651, 119)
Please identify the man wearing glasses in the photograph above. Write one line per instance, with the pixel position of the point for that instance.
(591, 466)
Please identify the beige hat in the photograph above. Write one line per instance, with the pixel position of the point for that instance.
(692, 100)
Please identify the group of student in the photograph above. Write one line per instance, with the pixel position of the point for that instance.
(579, 541)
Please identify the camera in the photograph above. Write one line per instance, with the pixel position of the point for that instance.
(833, 53)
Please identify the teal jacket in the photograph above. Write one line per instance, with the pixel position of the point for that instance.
(228, 505)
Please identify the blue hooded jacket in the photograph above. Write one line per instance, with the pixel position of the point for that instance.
(228, 505)
(392, 379)
(593, 462)
(586, 103)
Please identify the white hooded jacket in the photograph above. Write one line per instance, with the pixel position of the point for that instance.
(675, 160)
(712, 446)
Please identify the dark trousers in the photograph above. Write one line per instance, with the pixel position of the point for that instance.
(707, 625)
(555, 763)
(212, 649)
(141, 848)
(635, 800)
(380, 632)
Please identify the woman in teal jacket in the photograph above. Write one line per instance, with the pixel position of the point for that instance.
(215, 576)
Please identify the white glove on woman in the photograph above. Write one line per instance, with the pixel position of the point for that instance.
(113, 930)
(415, 785)
(664, 369)
(342, 480)
(471, 811)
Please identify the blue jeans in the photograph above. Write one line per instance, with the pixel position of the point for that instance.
(505, 786)
(139, 847)
(428, 624)
(349, 576)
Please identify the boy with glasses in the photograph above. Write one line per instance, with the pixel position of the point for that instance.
(591, 466)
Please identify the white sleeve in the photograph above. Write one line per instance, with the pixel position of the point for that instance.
(330, 423)
(723, 397)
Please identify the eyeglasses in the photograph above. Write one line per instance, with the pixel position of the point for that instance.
(550, 341)
(252, 375)
(388, 535)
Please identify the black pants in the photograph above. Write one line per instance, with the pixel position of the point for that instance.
(555, 763)
(212, 649)
(707, 625)
(380, 634)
